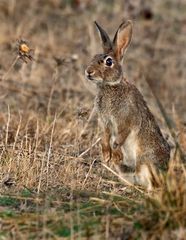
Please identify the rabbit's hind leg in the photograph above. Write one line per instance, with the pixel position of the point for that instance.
(118, 161)
(147, 175)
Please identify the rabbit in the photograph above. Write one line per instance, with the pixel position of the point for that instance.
(131, 139)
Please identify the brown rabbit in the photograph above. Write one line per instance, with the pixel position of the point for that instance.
(131, 137)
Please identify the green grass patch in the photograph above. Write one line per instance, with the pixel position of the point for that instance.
(8, 201)
(7, 213)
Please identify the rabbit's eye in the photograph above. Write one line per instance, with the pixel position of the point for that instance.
(109, 61)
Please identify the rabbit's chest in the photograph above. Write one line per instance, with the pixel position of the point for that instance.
(102, 104)
(106, 120)
(104, 108)
(105, 105)
(130, 145)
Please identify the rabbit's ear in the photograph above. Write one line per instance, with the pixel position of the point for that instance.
(106, 43)
(122, 39)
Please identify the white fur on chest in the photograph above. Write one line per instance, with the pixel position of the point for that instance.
(130, 148)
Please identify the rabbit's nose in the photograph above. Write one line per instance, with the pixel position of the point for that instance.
(90, 72)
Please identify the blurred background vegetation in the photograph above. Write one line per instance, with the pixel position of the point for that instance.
(50, 186)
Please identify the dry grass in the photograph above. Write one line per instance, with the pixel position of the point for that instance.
(52, 182)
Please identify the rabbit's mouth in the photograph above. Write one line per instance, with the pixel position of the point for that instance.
(92, 77)
(94, 80)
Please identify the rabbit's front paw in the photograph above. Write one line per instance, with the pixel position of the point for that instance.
(117, 156)
(106, 155)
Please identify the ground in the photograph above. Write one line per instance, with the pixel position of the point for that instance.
(53, 184)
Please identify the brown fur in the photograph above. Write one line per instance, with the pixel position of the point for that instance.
(130, 135)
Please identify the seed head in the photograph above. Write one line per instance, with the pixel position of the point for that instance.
(24, 51)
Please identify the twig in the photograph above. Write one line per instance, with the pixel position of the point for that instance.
(41, 173)
(86, 177)
(167, 120)
(88, 149)
(50, 148)
(161, 108)
(123, 179)
(54, 78)
(93, 112)
(4, 77)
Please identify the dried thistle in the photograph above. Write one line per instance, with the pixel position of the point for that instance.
(24, 51)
